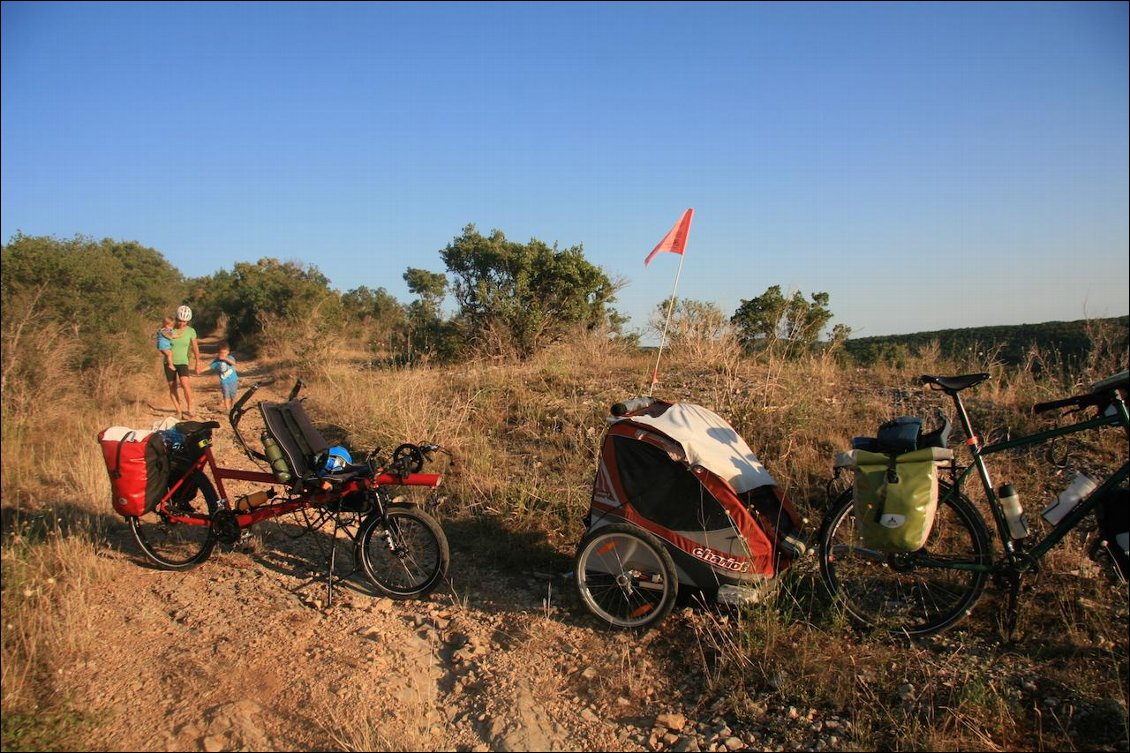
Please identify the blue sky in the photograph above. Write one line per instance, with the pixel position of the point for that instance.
(927, 165)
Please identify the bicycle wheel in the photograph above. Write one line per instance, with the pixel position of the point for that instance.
(174, 544)
(405, 553)
(914, 593)
(625, 576)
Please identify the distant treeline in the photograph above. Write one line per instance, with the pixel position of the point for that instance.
(1065, 342)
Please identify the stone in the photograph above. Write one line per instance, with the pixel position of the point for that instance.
(212, 743)
(673, 721)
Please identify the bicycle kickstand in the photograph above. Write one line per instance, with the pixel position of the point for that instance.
(1012, 615)
(333, 565)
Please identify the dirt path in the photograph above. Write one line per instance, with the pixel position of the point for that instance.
(242, 652)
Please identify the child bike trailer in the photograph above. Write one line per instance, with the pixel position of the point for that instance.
(679, 500)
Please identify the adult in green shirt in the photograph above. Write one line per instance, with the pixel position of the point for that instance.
(178, 374)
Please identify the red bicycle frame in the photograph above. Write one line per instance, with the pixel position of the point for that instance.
(325, 495)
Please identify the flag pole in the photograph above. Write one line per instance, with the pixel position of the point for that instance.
(663, 339)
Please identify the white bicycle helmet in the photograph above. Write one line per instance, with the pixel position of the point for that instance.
(184, 314)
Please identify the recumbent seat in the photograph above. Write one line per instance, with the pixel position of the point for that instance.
(303, 446)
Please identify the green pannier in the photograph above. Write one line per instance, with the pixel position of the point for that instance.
(896, 496)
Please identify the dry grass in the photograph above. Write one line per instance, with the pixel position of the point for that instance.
(50, 563)
(362, 727)
(526, 436)
(55, 507)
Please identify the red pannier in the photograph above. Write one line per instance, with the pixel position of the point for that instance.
(138, 465)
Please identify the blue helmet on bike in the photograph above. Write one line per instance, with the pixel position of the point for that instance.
(337, 458)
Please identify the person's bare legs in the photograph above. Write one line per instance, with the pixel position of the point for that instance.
(175, 397)
(187, 395)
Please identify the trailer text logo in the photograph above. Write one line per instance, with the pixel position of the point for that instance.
(720, 560)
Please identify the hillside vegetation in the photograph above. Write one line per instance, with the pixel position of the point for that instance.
(1064, 344)
(524, 434)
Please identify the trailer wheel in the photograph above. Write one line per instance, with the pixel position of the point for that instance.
(625, 576)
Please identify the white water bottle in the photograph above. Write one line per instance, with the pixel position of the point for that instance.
(1081, 486)
(1013, 511)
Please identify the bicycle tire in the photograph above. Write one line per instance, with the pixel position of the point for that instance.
(626, 577)
(405, 553)
(897, 593)
(173, 545)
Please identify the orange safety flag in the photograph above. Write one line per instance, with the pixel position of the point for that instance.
(676, 240)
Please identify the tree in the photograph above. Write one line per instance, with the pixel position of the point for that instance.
(363, 304)
(694, 325)
(102, 292)
(282, 291)
(841, 333)
(790, 325)
(429, 288)
(428, 332)
(78, 317)
(90, 282)
(377, 313)
(518, 297)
